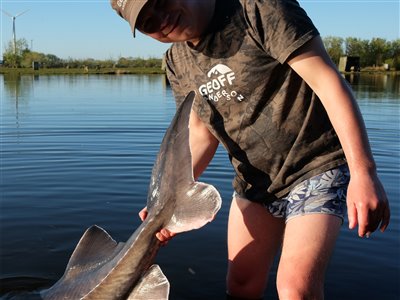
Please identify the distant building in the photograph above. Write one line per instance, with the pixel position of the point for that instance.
(35, 65)
(349, 64)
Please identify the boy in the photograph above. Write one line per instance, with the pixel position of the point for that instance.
(267, 90)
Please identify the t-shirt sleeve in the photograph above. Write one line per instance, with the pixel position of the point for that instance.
(279, 26)
(174, 81)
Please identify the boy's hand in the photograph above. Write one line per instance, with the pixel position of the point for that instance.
(367, 204)
(164, 235)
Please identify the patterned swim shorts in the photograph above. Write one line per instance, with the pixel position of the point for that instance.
(322, 194)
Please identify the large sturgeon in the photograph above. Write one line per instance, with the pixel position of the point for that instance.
(100, 268)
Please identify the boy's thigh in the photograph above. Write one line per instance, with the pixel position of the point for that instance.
(307, 246)
(314, 212)
(254, 237)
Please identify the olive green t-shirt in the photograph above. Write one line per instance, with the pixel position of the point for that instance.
(274, 127)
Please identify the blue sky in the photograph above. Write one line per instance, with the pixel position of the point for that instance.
(91, 29)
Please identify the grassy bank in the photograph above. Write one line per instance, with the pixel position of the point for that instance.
(80, 71)
(142, 70)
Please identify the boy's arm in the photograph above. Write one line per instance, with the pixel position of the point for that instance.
(366, 199)
(203, 144)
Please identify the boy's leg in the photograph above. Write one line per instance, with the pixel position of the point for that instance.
(307, 247)
(254, 237)
(314, 213)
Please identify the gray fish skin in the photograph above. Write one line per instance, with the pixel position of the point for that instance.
(101, 268)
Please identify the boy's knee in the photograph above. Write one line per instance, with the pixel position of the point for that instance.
(245, 287)
(298, 288)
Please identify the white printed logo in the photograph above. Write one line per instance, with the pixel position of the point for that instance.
(216, 88)
(219, 69)
(121, 3)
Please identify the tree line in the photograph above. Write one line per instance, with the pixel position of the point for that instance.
(21, 56)
(373, 53)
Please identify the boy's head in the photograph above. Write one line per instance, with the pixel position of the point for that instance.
(167, 20)
(129, 10)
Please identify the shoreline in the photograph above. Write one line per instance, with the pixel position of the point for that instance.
(129, 71)
(80, 71)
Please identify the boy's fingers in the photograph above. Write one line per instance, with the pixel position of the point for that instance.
(160, 237)
(363, 223)
(385, 219)
(143, 214)
(164, 235)
(352, 215)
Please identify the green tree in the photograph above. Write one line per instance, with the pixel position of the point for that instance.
(334, 47)
(153, 63)
(357, 47)
(29, 57)
(129, 62)
(108, 63)
(378, 50)
(122, 62)
(52, 61)
(11, 58)
(394, 54)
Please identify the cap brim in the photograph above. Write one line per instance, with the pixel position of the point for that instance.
(132, 12)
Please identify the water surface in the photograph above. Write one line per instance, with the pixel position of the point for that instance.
(78, 150)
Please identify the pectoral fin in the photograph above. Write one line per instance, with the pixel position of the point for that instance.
(172, 178)
(153, 285)
(94, 248)
(195, 208)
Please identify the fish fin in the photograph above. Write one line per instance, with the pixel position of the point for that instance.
(152, 285)
(96, 246)
(174, 160)
(195, 203)
(204, 204)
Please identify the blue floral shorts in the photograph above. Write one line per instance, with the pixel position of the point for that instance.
(322, 194)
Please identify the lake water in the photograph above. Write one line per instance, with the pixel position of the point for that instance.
(78, 150)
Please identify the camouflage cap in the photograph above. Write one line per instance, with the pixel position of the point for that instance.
(129, 10)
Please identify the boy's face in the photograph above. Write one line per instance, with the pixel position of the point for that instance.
(175, 20)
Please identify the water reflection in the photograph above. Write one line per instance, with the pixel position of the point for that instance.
(17, 89)
(20, 88)
(17, 86)
(373, 85)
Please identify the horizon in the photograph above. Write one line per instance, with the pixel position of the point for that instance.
(99, 33)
